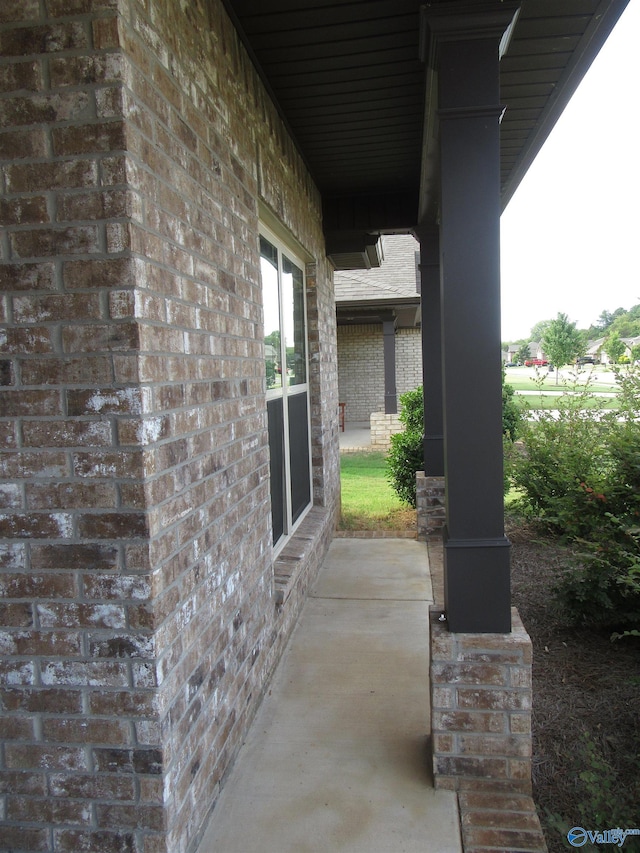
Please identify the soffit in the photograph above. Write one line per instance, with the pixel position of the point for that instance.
(347, 78)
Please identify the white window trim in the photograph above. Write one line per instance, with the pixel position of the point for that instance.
(288, 248)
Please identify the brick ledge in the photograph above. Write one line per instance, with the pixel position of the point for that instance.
(291, 561)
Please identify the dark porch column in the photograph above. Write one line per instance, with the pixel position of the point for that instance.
(431, 350)
(477, 587)
(390, 390)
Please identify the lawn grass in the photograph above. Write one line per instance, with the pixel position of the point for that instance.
(547, 382)
(542, 401)
(368, 501)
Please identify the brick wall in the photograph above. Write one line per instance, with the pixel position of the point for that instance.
(361, 367)
(408, 359)
(139, 619)
(382, 427)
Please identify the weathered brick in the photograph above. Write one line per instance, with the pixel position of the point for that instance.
(487, 700)
(67, 434)
(16, 615)
(8, 435)
(13, 557)
(71, 495)
(128, 760)
(86, 275)
(25, 838)
(53, 525)
(74, 240)
(137, 704)
(23, 144)
(520, 724)
(93, 338)
(76, 556)
(35, 177)
(21, 76)
(81, 673)
(33, 464)
(118, 464)
(113, 525)
(28, 276)
(85, 370)
(470, 721)
(89, 787)
(77, 841)
(483, 744)
(126, 401)
(122, 646)
(62, 8)
(23, 643)
(37, 586)
(17, 673)
(121, 587)
(11, 496)
(105, 33)
(52, 811)
(88, 138)
(470, 766)
(7, 373)
(88, 69)
(77, 731)
(52, 615)
(45, 757)
(20, 403)
(24, 211)
(19, 10)
(17, 782)
(461, 673)
(16, 728)
(503, 839)
(95, 205)
(22, 41)
(42, 700)
(494, 818)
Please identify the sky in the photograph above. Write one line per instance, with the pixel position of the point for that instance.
(570, 236)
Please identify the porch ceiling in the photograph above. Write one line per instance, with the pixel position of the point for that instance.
(348, 80)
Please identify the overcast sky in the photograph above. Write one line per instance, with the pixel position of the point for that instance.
(571, 233)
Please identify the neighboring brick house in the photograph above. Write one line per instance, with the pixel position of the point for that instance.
(179, 179)
(369, 304)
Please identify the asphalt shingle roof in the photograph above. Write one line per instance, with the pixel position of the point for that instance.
(396, 277)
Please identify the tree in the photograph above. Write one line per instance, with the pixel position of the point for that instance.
(606, 318)
(614, 347)
(523, 354)
(562, 342)
(626, 326)
(538, 331)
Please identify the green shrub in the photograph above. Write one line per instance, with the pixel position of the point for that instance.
(406, 455)
(579, 472)
(511, 414)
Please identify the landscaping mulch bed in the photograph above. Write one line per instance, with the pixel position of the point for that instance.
(586, 715)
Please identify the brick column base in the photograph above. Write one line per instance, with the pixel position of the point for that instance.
(481, 708)
(383, 426)
(429, 504)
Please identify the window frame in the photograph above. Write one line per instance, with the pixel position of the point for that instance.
(285, 391)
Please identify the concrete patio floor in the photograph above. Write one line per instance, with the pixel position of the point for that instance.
(337, 757)
(356, 437)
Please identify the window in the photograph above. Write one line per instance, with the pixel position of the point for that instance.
(285, 344)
